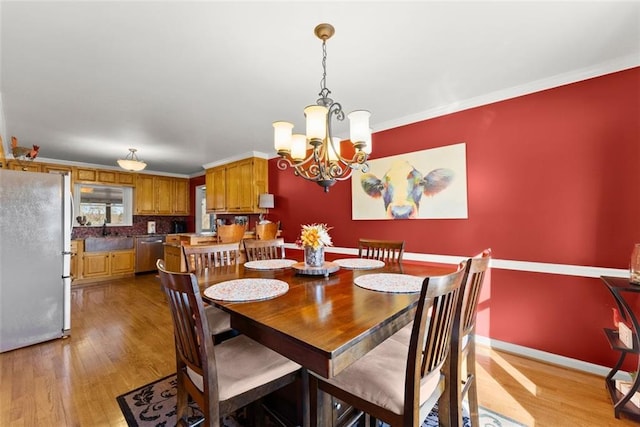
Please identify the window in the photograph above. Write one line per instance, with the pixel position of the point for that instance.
(205, 222)
(99, 204)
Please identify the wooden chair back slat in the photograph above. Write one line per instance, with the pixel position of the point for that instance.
(384, 250)
(473, 286)
(198, 258)
(431, 333)
(193, 343)
(264, 249)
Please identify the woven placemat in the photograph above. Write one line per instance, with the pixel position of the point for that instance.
(359, 263)
(390, 282)
(247, 289)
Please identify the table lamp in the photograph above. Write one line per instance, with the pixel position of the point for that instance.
(265, 201)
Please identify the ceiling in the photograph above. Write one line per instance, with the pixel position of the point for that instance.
(199, 83)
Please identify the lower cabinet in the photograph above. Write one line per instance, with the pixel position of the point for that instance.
(106, 265)
(77, 247)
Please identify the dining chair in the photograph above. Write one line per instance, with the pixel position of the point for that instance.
(399, 383)
(462, 361)
(222, 378)
(263, 249)
(384, 250)
(267, 231)
(199, 258)
(230, 233)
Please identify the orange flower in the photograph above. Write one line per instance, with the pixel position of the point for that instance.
(315, 235)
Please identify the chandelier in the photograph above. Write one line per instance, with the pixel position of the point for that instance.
(324, 164)
(131, 162)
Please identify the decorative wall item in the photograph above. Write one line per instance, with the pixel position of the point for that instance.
(425, 184)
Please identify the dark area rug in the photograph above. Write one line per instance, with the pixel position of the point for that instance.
(154, 405)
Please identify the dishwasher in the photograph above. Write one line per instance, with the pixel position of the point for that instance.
(148, 250)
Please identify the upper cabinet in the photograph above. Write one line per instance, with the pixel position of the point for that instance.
(215, 181)
(161, 195)
(154, 195)
(235, 187)
(103, 176)
(181, 197)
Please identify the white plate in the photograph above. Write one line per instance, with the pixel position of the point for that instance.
(359, 263)
(247, 289)
(390, 282)
(269, 264)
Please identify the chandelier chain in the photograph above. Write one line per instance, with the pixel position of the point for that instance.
(324, 92)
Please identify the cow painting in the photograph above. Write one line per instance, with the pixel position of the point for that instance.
(402, 187)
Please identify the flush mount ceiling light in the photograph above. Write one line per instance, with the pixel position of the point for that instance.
(324, 165)
(131, 162)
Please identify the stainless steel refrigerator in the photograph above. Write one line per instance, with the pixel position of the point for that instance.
(35, 258)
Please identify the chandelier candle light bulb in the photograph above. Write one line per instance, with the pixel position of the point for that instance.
(325, 164)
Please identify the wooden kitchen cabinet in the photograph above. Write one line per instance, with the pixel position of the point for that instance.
(181, 197)
(123, 262)
(161, 195)
(102, 176)
(96, 264)
(164, 195)
(145, 195)
(77, 249)
(235, 187)
(25, 166)
(106, 265)
(215, 180)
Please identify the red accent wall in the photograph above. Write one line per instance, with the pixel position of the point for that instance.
(552, 177)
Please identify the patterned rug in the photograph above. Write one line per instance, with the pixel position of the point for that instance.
(154, 405)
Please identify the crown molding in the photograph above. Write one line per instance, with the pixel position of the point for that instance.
(618, 64)
(236, 158)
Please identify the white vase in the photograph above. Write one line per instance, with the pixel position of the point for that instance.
(314, 257)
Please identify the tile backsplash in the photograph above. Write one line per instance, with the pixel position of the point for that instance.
(139, 227)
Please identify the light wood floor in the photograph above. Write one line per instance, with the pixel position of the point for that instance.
(122, 338)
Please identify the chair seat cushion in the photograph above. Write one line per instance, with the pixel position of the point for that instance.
(379, 376)
(219, 321)
(243, 365)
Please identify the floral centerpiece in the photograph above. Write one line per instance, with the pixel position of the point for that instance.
(314, 238)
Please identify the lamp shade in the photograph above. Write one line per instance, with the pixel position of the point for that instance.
(298, 146)
(359, 125)
(131, 162)
(316, 121)
(265, 201)
(369, 147)
(132, 165)
(282, 136)
(334, 151)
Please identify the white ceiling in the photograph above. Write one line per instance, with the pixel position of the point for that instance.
(195, 83)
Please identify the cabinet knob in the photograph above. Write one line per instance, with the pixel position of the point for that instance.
(337, 405)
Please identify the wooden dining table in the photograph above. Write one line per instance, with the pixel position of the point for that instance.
(322, 323)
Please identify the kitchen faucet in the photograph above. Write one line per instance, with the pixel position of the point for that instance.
(104, 229)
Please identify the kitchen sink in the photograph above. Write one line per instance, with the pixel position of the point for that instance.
(105, 244)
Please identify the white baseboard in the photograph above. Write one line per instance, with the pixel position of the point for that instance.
(544, 356)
